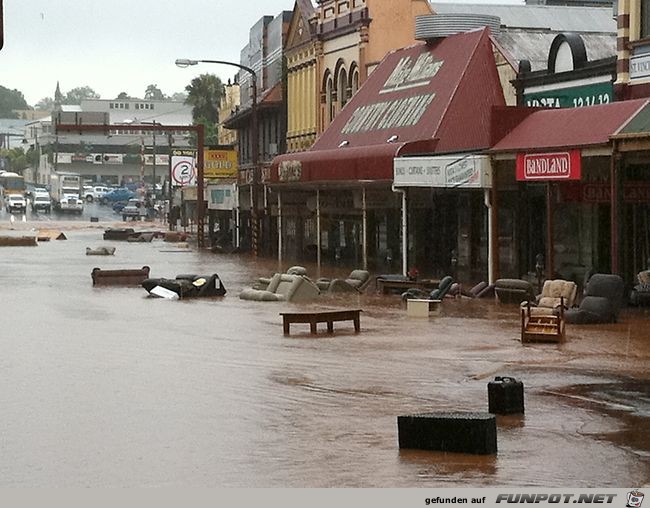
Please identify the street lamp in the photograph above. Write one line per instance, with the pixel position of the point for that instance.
(184, 63)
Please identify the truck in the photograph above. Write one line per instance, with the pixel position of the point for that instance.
(65, 191)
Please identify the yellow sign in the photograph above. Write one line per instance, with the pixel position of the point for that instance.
(220, 164)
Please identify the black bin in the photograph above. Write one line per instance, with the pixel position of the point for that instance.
(505, 396)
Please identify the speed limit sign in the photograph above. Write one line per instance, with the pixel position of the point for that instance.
(183, 171)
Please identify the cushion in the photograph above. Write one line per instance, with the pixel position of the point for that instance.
(549, 302)
(644, 277)
(297, 270)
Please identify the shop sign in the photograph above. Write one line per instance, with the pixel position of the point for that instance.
(459, 171)
(640, 64)
(221, 197)
(161, 160)
(572, 97)
(290, 171)
(220, 163)
(549, 166)
(67, 158)
(601, 192)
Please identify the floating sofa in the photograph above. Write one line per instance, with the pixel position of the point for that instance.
(100, 251)
(357, 281)
(263, 282)
(640, 294)
(554, 293)
(284, 287)
(188, 286)
(514, 290)
(437, 294)
(601, 301)
(119, 277)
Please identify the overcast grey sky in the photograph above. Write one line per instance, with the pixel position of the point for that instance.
(124, 45)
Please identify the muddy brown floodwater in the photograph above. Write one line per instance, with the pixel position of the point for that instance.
(107, 387)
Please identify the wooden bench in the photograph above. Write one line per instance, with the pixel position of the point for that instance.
(321, 316)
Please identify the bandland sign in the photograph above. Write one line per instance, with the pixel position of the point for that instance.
(549, 166)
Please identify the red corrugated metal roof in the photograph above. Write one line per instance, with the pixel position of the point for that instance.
(570, 127)
(443, 92)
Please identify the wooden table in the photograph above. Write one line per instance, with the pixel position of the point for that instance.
(387, 286)
(321, 316)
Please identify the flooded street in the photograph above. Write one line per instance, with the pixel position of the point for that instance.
(106, 387)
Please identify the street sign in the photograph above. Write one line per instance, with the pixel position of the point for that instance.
(183, 171)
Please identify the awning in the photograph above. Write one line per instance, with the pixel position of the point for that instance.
(422, 97)
(372, 162)
(569, 128)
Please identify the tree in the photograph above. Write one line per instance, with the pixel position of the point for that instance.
(11, 100)
(179, 97)
(204, 94)
(46, 104)
(76, 95)
(153, 93)
(123, 95)
(16, 158)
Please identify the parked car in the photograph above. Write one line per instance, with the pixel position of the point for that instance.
(134, 209)
(92, 193)
(120, 194)
(118, 205)
(15, 203)
(41, 201)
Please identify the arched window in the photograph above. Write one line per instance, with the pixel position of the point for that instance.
(354, 79)
(331, 99)
(342, 87)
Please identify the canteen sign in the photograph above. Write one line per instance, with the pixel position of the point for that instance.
(549, 166)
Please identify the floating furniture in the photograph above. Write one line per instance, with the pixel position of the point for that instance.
(357, 281)
(554, 294)
(542, 327)
(438, 293)
(263, 282)
(505, 396)
(601, 302)
(119, 277)
(284, 287)
(416, 307)
(543, 319)
(387, 284)
(175, 236)
(118, 233)
(18, 241)
(94, 219)
(514, 290)
(140, 237)
(482, 290)
(100, 251)
(322, 316)
(45, 235)
(640, 295)
(462, 432)
(187, 286)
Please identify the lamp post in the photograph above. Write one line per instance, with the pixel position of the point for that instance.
(183, 63)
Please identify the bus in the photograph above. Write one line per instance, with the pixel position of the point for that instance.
(12, 183)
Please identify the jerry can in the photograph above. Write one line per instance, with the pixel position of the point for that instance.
(505, 396)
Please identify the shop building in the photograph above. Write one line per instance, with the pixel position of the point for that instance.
(428, 99)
